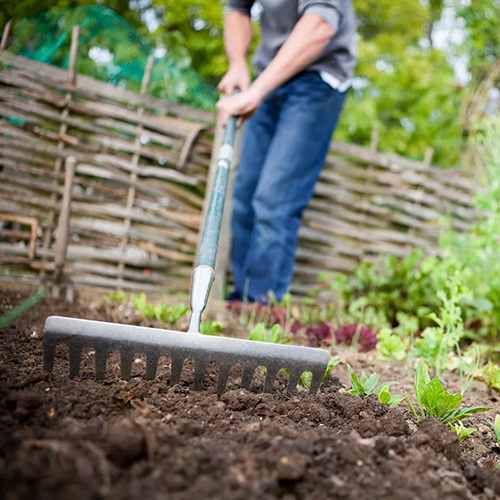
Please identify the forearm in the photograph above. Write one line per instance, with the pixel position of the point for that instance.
(237, 37)
(304, 45)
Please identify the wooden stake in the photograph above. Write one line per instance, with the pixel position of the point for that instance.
(135, 161)
(428, 157)
(374, 140)
(63, 225)
(5, 35)
(75, 33)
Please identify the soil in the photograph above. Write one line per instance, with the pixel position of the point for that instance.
(81, 439)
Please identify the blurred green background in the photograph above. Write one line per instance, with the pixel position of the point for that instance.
(427, 69)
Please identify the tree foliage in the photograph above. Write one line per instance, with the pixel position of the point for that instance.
(405, 86)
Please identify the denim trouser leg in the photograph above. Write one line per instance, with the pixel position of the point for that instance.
(259, 131)
(283, 154)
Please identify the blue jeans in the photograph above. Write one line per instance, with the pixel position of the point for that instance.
(283, 152)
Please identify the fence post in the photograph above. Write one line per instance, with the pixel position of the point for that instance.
(75, 33)
(5, 35)
(63, 226)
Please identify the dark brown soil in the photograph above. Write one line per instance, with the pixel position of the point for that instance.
(79, 439)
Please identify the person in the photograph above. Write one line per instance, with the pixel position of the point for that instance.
(305, 63)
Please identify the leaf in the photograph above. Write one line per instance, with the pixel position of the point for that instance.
(357, 388)
(385, 395)
(275, 335)
(306, 379)
(258, 332)
(420, 383)
(333, 362)
(463, 432)
(460, 414)
(370, 384)
(496, 427)
(382, 385)
(433, 391)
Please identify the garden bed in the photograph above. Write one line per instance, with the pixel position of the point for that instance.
(79, 439)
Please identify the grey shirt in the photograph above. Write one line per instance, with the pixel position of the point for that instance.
(279, 17)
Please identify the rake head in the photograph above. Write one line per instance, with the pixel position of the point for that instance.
(179, 346)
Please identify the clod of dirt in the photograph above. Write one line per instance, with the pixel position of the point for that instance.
(125, 442)
(291, 467)
(432, 432)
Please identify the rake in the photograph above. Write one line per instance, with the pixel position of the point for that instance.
(179, 346)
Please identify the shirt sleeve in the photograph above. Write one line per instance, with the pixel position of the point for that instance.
(329, 10)
(242, 6)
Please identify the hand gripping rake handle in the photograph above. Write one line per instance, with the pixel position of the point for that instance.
(204, 272)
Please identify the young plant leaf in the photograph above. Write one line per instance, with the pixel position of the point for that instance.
(462, 413)
(357, 388)
(387, 398)
(463, 432)
(496, 427)
(420, 383)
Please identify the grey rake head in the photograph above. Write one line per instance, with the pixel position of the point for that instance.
(179, 346)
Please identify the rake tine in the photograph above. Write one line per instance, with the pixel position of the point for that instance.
(75, 353)
(270, 378)
(126, 363)
(224, 371)
(315, 382)
(176, 367)
(246, 378)
(101, 358)
(199, 373)
(151, 366)
(293, 380)
(49, 356)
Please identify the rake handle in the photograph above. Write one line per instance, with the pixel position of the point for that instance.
(204, 271)
(211, 231)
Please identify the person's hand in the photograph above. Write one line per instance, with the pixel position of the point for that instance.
(237, 77)
(242, 105)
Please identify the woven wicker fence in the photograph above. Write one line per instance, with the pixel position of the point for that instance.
(140, 181)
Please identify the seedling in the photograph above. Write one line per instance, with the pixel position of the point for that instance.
(387, 398)
(364, 386)
(390, 346)
(496, 427)
(160, 311)
(118, 296)
(262, 334)
(211, 327)
(491, 375)
(306, 377)
(463, 432)
(435, 401)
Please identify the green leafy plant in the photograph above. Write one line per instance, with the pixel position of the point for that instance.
(211, 327)
(496, 427)
(274, 335)
(159, 311)
(435, 401)
(387, 398)
(306, 377)
(463, 432)
(491, 375)
(437, 343)
(366, 386)
(390, 345)
(118, 296)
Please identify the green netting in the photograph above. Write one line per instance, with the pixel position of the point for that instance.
(112, 50)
